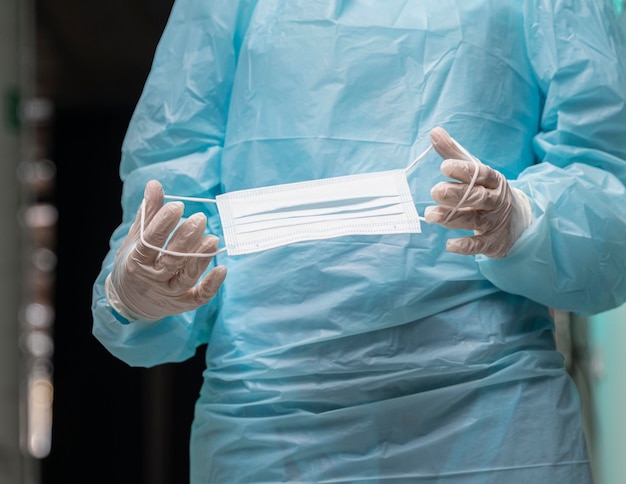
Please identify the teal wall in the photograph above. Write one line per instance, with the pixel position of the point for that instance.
(608, 343)
(607, 335)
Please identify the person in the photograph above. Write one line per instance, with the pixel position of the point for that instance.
(417, 354)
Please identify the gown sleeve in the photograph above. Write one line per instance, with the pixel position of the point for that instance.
(573, 256)
(176, 135)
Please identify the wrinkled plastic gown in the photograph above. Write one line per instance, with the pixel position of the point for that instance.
(386, 358)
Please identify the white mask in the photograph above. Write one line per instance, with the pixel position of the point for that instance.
(258, 219)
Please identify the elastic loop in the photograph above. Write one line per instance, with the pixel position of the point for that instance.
(471, 184)
(171, 252)
(416, 160)
(190, 199)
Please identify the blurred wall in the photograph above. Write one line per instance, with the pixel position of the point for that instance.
(608, 370)
(607, 375)
(15, 74)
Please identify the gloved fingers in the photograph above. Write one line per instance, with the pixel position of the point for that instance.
(445, 145)
(153, 198)
(461, 219)
(191, 268)
(479, 244)
(157, 231)
(464, 171)
(450, 194)
(480, 200)
(437, 214)
(153, 201)
(185, 239)
(189, 295)
(209, 285)
(188, 236)
(197, 265)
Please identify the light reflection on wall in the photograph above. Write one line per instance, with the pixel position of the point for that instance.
(38, 218)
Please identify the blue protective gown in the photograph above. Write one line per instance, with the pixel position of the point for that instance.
(386, 358)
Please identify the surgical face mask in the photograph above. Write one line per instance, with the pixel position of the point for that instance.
(258, 219)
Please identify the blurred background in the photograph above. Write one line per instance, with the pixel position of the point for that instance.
(70, 75)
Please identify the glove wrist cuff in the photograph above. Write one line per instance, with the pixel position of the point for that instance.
(523, 209)
(114, 301)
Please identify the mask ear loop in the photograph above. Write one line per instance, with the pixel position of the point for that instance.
(408, 169)
(172, 252)
(411, 165)
(470, 186)
(469, 157)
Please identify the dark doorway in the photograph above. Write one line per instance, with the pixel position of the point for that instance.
(112, 423)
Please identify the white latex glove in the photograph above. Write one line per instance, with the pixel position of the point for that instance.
(146, 284)
(496, 212)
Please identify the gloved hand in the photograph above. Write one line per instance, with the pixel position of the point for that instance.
(496, 212)
(147, 284)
